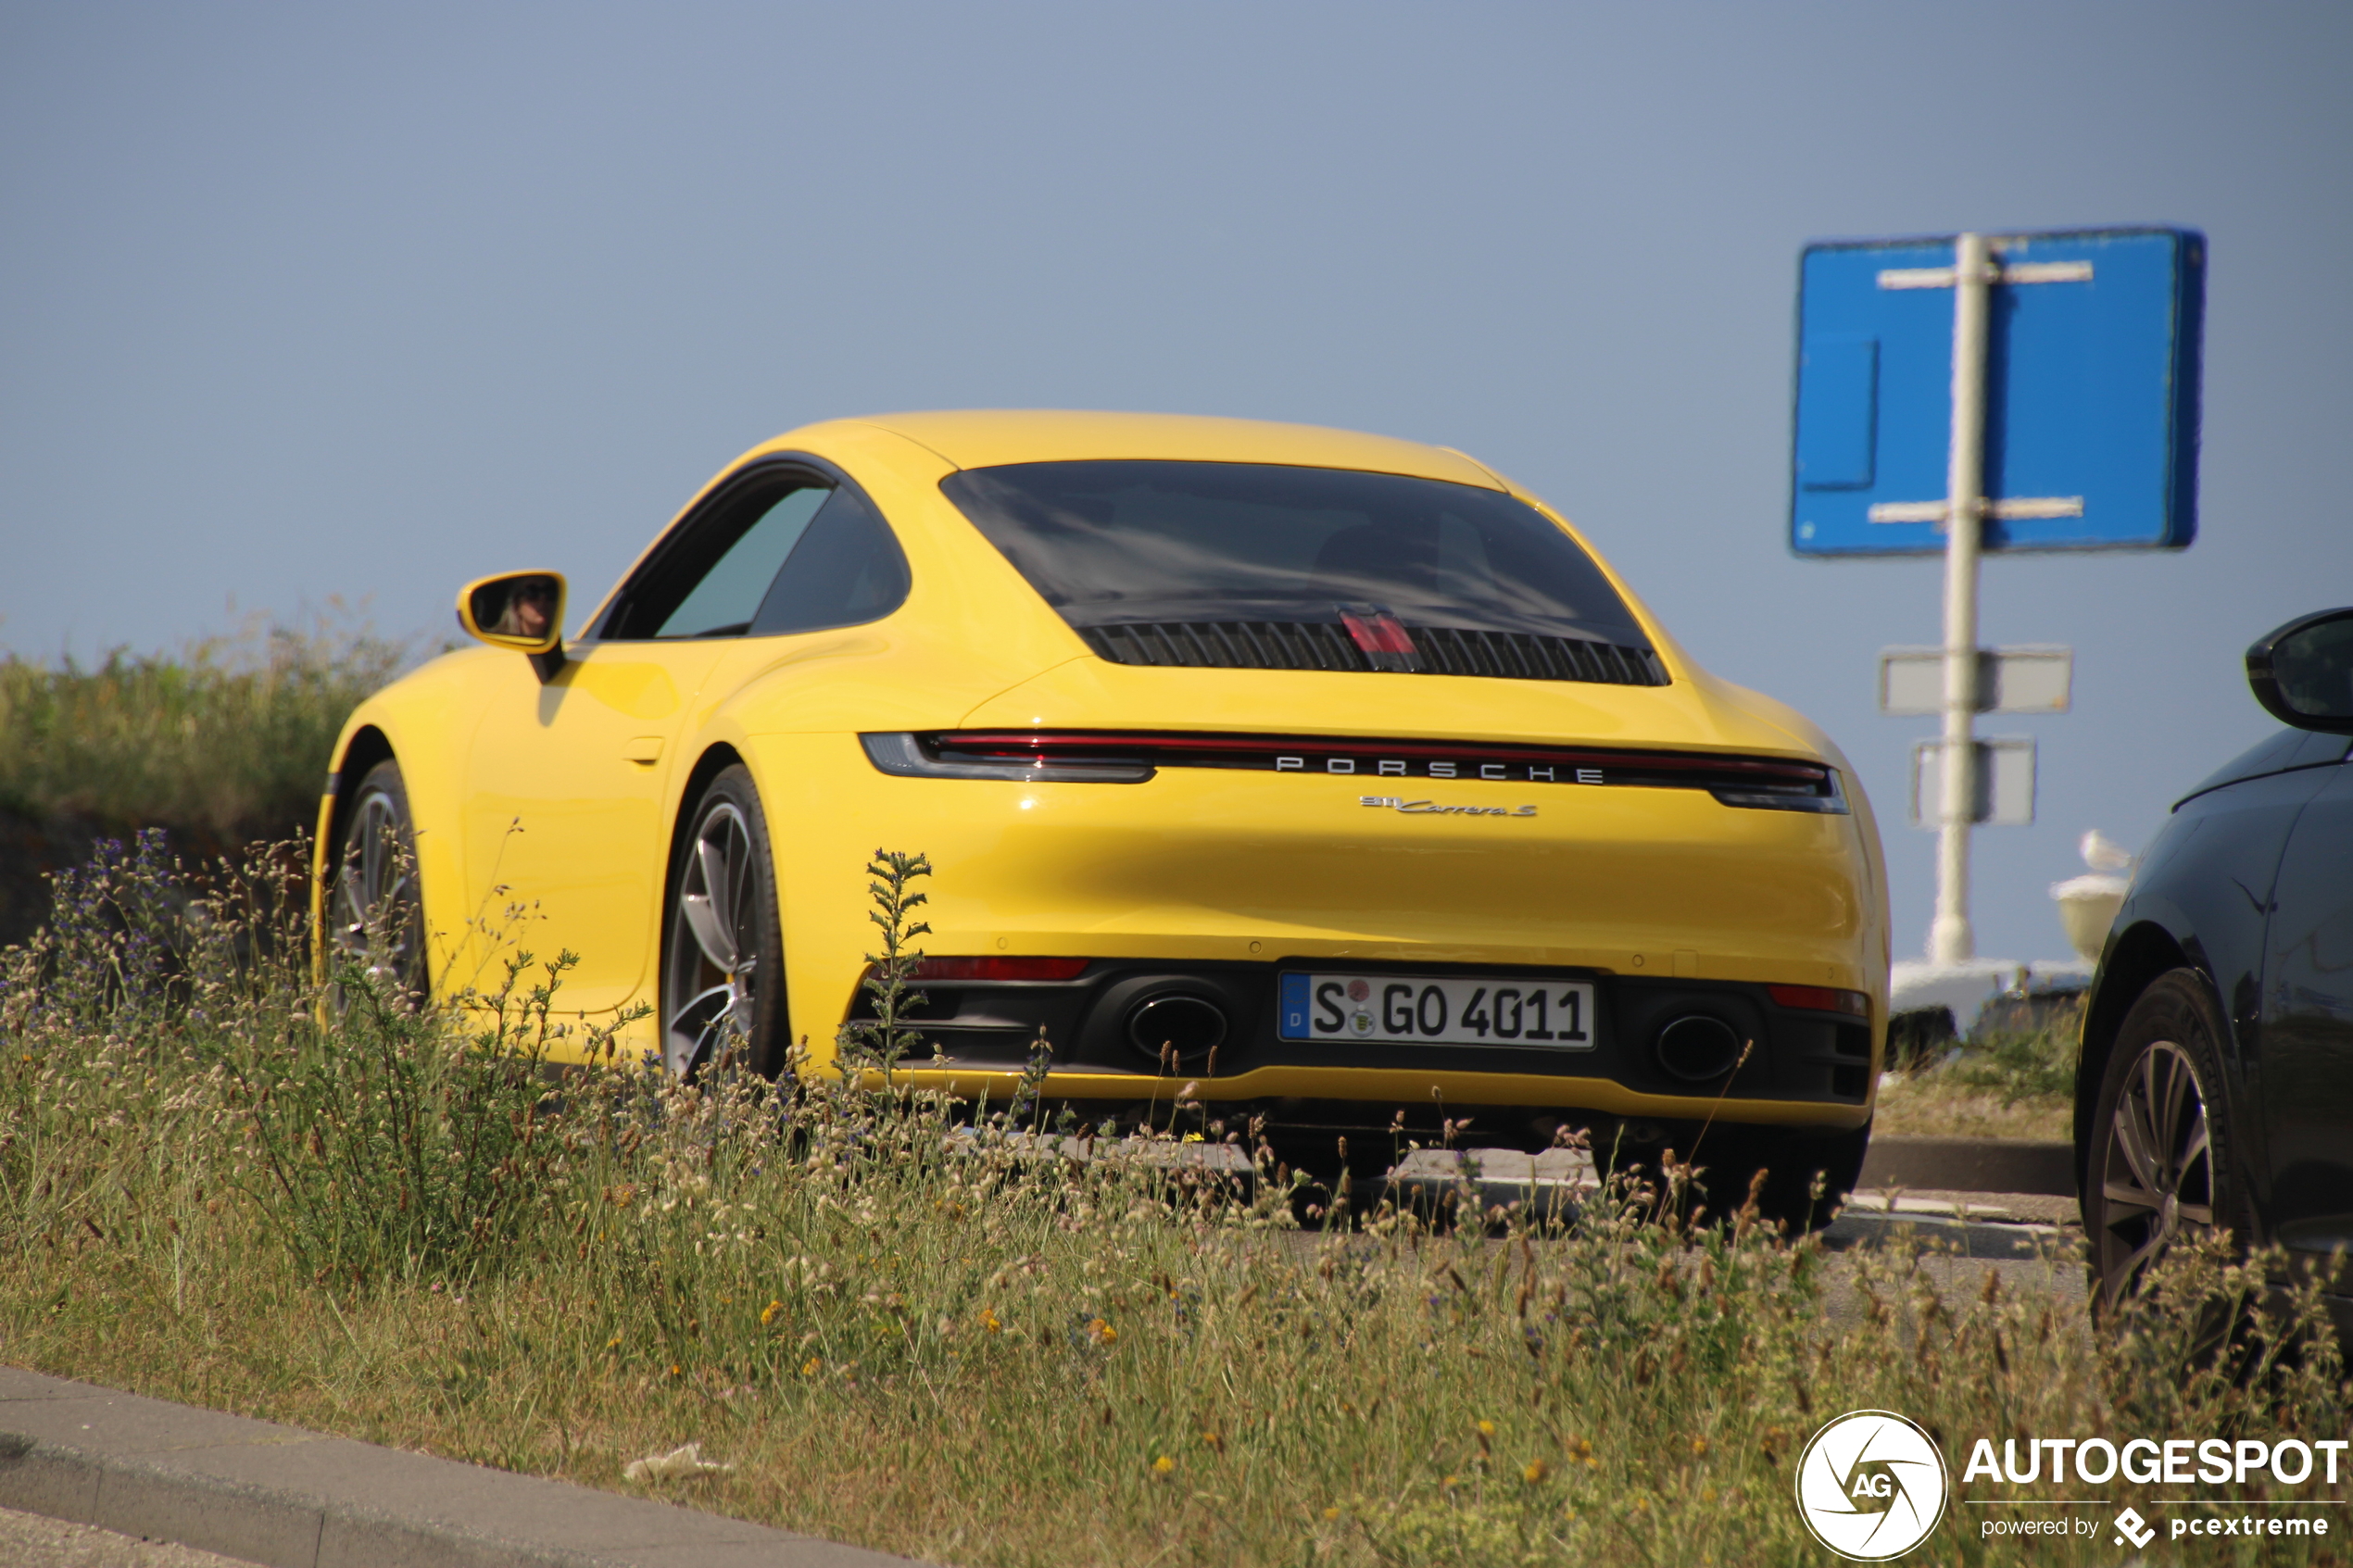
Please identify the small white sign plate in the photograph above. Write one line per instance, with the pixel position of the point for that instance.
(2004, 781)
(2016, 680)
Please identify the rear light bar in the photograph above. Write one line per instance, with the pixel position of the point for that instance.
(926, 756)
(1000, 969)
(1133, 757)
(1820, 998)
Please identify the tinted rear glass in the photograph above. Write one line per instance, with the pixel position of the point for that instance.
(1111, 543)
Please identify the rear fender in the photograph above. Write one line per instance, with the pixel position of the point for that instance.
(2135, 956)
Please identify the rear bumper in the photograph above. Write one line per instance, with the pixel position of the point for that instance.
(1804, 1067)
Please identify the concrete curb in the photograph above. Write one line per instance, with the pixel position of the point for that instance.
(285, 1498)
(2028, 1165)
(1555, 1183)
(1974, 1238)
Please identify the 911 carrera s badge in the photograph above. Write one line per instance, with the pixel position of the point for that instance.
(1431, 808)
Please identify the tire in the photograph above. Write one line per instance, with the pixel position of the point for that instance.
(2162, 1161)
(723, 971)
(1792, 1163)
(1319, 1157)
(376, 911)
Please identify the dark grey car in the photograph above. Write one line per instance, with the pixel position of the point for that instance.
(2216, 1082)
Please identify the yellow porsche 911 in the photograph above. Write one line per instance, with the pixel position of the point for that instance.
(1334, 773)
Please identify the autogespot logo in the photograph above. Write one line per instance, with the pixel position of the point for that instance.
(1872, 1486)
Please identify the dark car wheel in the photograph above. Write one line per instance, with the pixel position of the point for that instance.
(1792, 1162)
(722, 960)
(376, 915)
(2160, 1167)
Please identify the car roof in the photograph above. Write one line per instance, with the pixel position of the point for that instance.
(985, 438)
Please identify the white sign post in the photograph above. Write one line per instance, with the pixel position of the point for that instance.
(1962, 513)
(1950, 937)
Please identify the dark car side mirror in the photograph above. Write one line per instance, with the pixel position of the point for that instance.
(2302, 673)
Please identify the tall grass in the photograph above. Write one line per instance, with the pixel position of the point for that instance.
(926, 1327)
(225, 742)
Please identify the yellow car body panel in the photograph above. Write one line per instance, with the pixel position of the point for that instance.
(547, 812)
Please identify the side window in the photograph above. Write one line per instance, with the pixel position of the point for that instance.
(847, 570)
(722, 604)
(711, 582)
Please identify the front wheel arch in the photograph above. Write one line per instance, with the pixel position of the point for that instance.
(2134, 960)
(368, 746)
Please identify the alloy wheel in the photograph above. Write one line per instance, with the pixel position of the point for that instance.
(2157, 1174)
(715, 944)
(378, 920)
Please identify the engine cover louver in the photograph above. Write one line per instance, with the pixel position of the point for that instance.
(1438, 650)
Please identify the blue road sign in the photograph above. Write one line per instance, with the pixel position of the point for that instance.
(2092, 394)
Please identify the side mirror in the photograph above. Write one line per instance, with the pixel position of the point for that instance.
(2302, 673)
(522, 610)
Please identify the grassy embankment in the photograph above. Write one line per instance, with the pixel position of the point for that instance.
(2007, 1084)
(948, 1347)
(222, 744)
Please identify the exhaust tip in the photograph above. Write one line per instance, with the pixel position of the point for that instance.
(1190, 1025)
(1698, 1048)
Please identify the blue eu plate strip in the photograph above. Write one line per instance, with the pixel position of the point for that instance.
(1293, 1008)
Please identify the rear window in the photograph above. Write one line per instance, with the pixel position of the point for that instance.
(1119, 543)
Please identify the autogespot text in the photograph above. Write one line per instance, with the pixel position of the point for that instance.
(2179, 1461)
(2096, 1460)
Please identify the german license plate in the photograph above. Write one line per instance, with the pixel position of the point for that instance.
(1426, 1009)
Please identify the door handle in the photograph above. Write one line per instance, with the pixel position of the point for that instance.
(644, 750)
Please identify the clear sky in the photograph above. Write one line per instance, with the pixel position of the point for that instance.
(304, 301)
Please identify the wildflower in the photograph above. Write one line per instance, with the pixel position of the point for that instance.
(1699, 1445)
(1101, 1333)
(808, 1368)
(768, 1313)
(1487, 1429)
(1331, 1513)
(1536, 1470)
(1163, 1465)
(1215, 1441)
(675, 1369)
(989, 1321)
(614, 1343)
(1447, 1483)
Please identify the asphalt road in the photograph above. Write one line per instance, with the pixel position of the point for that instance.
(2030, 1243)
(29, 1540)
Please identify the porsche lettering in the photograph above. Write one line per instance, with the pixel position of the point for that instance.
(1441, 768)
